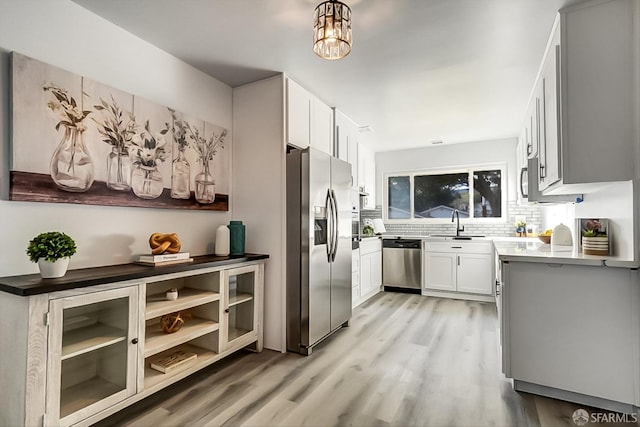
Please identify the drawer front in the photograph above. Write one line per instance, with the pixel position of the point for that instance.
(370, 246)
(459, 247)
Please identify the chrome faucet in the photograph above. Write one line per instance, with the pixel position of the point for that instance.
(456, 215)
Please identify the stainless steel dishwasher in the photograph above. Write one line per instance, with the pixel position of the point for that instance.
(402, 263)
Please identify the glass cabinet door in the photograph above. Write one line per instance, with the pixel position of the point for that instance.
(92, 353)
(240, 323)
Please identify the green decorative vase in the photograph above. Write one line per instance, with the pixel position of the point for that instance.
(236, 237)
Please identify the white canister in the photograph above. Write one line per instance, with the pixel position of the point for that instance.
(222, 241)
(561, 239)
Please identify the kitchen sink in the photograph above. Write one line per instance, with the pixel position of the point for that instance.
(454, 237)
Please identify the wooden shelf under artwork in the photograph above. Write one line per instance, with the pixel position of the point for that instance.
(90, 338)
(157, 341)
(239, 299)
(236, 333)
(205, 357)
(81, 395)
(38, 187)
(157, 304)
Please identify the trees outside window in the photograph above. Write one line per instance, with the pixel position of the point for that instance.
(473, 192)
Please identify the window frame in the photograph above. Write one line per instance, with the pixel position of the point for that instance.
(442, 171)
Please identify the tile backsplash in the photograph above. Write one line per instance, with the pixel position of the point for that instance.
(532, 213)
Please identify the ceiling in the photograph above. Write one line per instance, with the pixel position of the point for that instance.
(419, 71)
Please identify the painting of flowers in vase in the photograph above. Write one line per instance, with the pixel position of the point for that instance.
(76, 140)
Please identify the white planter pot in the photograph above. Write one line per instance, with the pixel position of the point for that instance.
(51, 270)
(595, 245)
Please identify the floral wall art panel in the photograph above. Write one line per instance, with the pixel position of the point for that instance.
(185, 160)
(151, 148)
(220, 164)
(76, 140)
(110, 130)
(33, 124)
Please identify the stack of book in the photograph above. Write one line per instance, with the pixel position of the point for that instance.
(164, 259)
(173, 361)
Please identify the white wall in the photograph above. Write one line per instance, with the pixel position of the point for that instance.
(444, 156)
(68, 36)
(615, 202)
(259, 179)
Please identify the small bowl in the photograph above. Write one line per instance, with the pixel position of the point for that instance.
(545, 239)
(172, 294)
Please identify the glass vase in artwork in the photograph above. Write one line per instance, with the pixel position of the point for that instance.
(71, 165)
(205, 185)
(146, 182)
(119, 169)
(181, 171)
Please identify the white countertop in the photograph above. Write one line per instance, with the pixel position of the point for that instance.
(533, 250)
(530, 249)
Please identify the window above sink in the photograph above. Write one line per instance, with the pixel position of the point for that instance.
(478, 193)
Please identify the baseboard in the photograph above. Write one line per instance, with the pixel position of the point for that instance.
(569, 396)
(459, 295)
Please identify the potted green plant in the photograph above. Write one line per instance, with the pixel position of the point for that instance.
(367, 230)
(51, 250)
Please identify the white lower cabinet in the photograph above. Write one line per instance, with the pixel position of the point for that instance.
(440, 271)
(92, 357)
(239, 307)
(355, 277)
(110, 345)
(475, 273)
(370, 268)
(458, 269)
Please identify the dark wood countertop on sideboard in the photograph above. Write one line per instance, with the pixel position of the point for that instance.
(33, 284)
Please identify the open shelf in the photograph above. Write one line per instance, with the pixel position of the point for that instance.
(239, 298)
(90, 338)
(157, 305)
(157, 341)
(81, 395)
(205, 357)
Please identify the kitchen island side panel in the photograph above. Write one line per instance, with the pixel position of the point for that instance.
(573, 328)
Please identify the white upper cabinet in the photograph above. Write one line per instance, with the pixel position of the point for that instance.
(321, 126)
(521, 163)
(367, 176)
(346, 143)
(588, 81)
(298, 115)
(549, 149)
(309, 120)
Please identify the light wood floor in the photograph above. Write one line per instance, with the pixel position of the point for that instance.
(406, 360)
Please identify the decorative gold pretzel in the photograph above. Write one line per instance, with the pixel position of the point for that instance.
(170, 323)
(161, 243)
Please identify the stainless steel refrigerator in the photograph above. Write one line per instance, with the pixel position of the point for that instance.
(318, 247)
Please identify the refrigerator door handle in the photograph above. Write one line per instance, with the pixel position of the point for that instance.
(328, 206)
(336, 227)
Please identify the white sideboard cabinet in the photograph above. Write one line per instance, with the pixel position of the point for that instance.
(81, 347)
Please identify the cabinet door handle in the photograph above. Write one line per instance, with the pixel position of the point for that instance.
(458, 259)
(226, 310)
(134, 341)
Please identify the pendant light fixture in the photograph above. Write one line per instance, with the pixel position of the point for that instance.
(332, 30)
